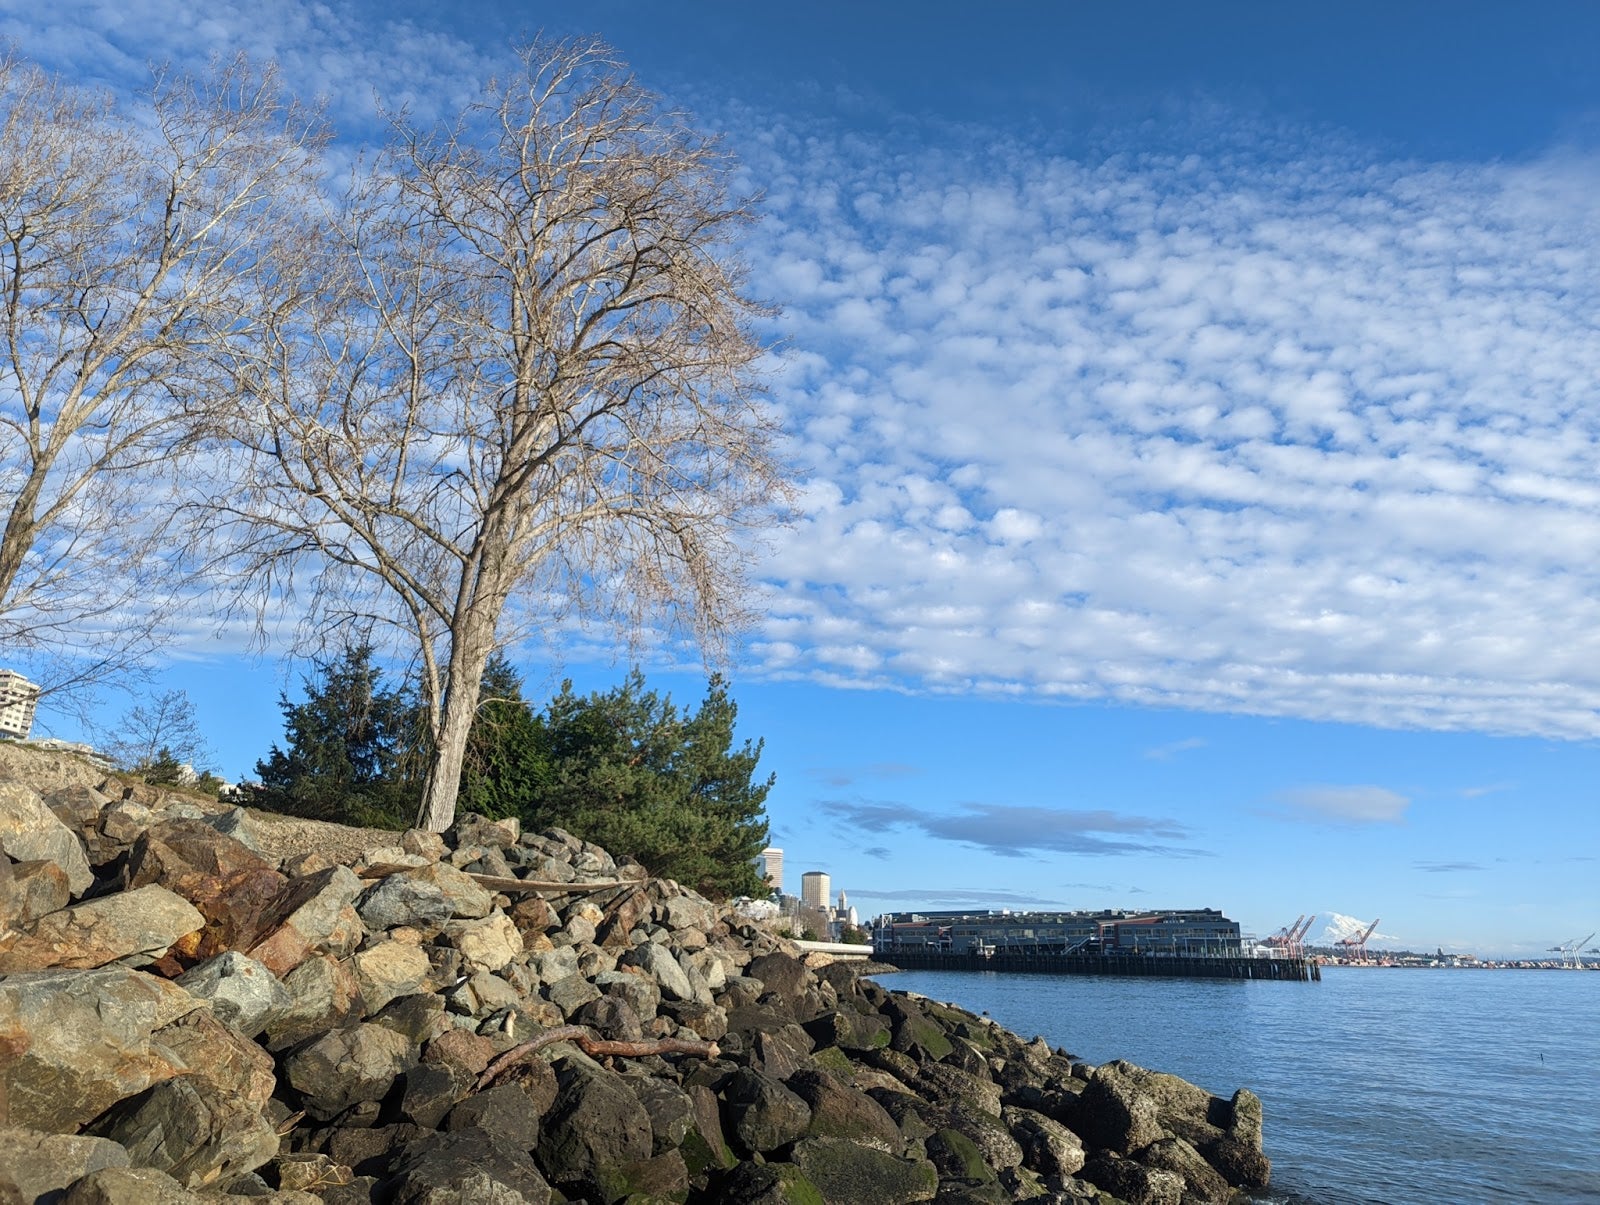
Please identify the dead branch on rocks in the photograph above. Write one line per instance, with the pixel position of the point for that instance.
(497, 882)
(581, 1037)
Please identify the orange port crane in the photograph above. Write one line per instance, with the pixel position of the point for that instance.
(1291, 938)
(1358, 945)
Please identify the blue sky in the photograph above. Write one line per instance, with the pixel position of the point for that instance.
(1195, 412)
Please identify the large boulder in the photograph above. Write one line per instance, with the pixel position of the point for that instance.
(1202, 1183)
(29, 831)
(192, 1129)
(1132, 1182)
(1048, 1147)
(762, 1113)
(36, 1166)
(467, 1167)
(242, 992)
(847, 1173)
(73, 1043)
(595, 1136)
(347, 1067)
(840, 1111)
(424, 897)
(131, 927)
(29, 890)
(323, 994)
(313, 916)
(1115, 1114)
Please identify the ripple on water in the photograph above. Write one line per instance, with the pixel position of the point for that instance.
(1380, 1085)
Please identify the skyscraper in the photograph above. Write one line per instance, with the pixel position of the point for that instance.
(814, 887)
(770, 862)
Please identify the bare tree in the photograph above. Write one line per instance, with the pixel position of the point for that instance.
(161, 729)
(124, 242)
(525, 390)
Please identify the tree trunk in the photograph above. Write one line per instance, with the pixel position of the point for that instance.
(469, 653)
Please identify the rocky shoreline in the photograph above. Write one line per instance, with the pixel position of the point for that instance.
(497, 1016)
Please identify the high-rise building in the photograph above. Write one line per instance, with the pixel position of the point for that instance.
(770, 863)
(814, 889)
(17, 699)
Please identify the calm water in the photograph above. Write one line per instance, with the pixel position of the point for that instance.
(1379, 1085)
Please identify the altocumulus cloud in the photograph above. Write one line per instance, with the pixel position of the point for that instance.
(1306, 435)
(1015, 831)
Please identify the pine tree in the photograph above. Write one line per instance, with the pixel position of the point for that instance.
(507, 765)
(631, 772)
(351, 746)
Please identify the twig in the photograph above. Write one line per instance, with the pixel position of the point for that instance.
(592, 1046)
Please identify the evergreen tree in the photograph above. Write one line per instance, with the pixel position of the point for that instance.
(631, 772)
(507, 764)
(351, 746)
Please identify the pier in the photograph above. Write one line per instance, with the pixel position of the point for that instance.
(1177, 966)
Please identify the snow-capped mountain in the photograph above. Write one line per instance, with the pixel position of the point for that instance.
(1340, 927)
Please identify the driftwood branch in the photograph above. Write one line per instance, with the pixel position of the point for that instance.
(592, 1046)
(496, 882)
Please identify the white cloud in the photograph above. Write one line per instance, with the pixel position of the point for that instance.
(1310, 436)
(1297, 432)
(1345, 805)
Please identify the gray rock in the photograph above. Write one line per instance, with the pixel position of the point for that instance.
(551, 965)
(688, 912)
(431, 1090)
(657, 961)
(29, 890)
(594, 1135)
(73, 1043)
(763, 1114)
(192, 1130)
(128, 1186)
(504, 1110)
(424, 898)
(571, 994)
(1048, 1147)
(468, 1167)
(1132, 1182)
(347, 1067)
(847, 1173)
(840, 1111)
(131, 927)
(611, 1017)
(639, 991)
(29, 832)
(35, 1165)
(671, 1111)
(324, 994)
(241, 826)
(1202, 1183)
(242, 992)
(1115, 1115)
(389, 970)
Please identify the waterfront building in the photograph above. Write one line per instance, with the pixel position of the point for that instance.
(1176, 931)
(770, 863)
(18, 697)
(814, 887)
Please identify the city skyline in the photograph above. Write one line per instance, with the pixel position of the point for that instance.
(1193, 416)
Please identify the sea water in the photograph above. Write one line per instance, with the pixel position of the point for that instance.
(1378, 1084)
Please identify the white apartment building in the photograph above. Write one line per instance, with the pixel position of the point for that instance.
(17, 699)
